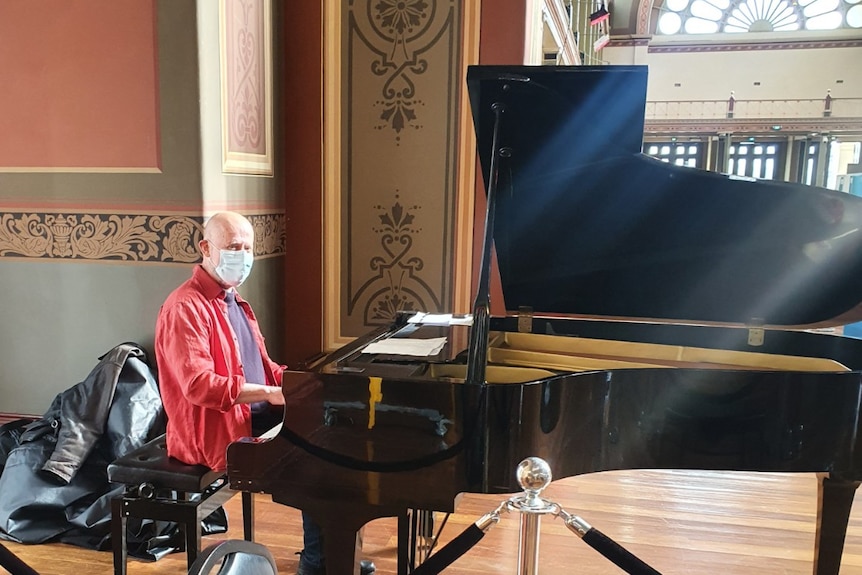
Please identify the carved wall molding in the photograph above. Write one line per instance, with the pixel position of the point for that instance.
(139, 238)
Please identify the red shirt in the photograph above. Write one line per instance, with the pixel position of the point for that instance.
(200, 371)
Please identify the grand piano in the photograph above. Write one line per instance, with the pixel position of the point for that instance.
(661, 318)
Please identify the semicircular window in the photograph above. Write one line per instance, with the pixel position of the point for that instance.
(735, 16)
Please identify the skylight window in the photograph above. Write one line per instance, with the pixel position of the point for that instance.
(737, 16)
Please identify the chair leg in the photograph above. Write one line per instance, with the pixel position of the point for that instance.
(248, 515)
(118, 535)
(193, 541)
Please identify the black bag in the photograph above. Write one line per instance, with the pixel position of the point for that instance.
(53, 485)
(10, 437)
(54, 482)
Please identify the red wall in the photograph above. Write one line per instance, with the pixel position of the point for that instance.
(70, 96)
(302, 111)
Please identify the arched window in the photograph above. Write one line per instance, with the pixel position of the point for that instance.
(734, 16)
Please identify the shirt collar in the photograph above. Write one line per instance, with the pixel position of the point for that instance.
(209, 287)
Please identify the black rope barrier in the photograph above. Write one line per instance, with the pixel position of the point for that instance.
(597, 540)
(13, 564)
(606, 546)
(617, 554)
(451, 551)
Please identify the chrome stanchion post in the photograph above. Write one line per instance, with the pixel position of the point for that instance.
(533, 474)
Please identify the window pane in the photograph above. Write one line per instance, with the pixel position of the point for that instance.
(820, 7)
(706, 11)
(700, 26)
(769, 173)
(829, 21)
(669, 23)
(676, 5)
(720, 4)
(740, 167)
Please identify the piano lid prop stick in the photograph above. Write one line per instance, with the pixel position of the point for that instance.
(614, 552)
(476, 356)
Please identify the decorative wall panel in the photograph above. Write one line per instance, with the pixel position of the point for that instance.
(400, 91)
(246, 86)
(72, 100)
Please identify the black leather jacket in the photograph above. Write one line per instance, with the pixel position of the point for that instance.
(54, 485)
(79, 416)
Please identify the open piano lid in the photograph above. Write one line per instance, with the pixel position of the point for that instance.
(585, 224)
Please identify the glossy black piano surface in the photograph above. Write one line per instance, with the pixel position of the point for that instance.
(679, 287)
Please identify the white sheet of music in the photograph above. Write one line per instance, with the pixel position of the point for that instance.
(407, 346)
(441, 319)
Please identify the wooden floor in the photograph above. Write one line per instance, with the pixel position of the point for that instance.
(676, 521)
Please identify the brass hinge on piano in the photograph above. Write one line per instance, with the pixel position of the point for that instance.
(756, 332)
(525, 319)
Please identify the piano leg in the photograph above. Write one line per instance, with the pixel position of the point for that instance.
(834, 501)
(341, 525)
(341, 549)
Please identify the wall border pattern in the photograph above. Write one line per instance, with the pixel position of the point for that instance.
(139, 238)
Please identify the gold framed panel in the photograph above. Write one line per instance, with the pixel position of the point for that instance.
(245, 70)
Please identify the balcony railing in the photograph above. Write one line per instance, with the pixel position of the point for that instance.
(754, 109)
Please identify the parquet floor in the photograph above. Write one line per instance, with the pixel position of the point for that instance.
(679, 522)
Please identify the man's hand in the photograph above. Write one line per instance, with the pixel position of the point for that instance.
(255, 392)
(274, 395)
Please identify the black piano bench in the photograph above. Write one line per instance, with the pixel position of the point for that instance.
(161, 488)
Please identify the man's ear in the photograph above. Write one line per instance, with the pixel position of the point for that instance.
(204, 247)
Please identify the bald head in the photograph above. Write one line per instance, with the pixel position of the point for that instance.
(224, 231)
(225, 226)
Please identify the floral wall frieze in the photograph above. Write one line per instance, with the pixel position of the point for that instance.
(140, 238)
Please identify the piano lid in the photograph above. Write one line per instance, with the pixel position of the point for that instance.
(585, 224)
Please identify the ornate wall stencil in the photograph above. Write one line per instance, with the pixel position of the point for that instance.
(246, 86)
(123, 237)
(269, 238)
(396, 284)
(401, 62)
(399, 33)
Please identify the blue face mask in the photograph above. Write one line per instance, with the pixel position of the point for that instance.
(234, 266)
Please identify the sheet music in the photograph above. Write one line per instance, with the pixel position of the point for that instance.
(441, 319)
(407, 346)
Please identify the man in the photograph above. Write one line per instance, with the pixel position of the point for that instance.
(216, 378)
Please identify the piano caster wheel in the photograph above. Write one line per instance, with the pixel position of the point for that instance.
(366, 567)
